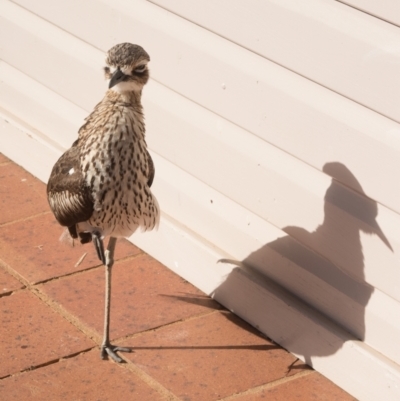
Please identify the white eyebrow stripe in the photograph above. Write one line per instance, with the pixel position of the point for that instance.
(126, 71)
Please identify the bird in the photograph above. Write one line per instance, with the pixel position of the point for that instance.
(100, 186)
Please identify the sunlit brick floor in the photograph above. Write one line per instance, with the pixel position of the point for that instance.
(186, 346)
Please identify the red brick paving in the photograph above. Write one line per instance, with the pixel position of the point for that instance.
(312, 387)
(34, 242)
(21, 195)
(142, 297)
(8, 282)
(33, 334)
(210, 357)
(79, 378)
(187, 347)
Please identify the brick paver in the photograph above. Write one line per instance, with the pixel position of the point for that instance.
(33, 334)
(142, 296)
(79, 378)
(7, 282)
(21, 195)
(186, 346)
(210, 357)
(312, 387)
(31, 247)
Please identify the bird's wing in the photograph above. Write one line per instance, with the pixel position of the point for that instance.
(69, 197)
(152, 169)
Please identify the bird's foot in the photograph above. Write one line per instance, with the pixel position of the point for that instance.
(110, 350)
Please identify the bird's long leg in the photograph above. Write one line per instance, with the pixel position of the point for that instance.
(107, 258)
(98, 244)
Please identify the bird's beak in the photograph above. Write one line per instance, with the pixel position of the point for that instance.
(116, 78)
(378, 231)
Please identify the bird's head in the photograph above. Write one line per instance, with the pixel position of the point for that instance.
(361, 207)
(127, 68)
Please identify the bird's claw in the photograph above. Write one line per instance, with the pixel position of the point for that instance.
(111, 350)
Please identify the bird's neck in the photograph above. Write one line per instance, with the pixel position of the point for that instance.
(114, 110)
(129, 99)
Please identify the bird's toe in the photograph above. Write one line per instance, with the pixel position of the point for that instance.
(111, 351)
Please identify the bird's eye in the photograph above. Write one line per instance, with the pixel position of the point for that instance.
(140, 68)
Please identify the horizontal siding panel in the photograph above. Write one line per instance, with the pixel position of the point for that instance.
(50, 56)
(48, 112)
(232, 228)
(20, 144)
(290, 112)
(353, 53)
(275, 186)
(388, 10)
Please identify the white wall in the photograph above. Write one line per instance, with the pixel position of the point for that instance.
(275, 132)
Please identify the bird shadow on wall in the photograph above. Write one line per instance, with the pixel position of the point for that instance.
(323, 268)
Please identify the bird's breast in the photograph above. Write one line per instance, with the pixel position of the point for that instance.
(115, 167)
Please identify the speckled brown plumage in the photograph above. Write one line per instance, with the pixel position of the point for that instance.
(101, 185)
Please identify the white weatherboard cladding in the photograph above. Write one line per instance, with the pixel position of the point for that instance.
(58, 122)
(388, 10)
(244, 152)
(354, 53)
(279, 106)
